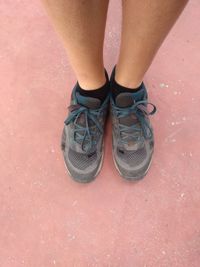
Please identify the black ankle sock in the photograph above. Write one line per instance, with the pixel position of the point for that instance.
(100, 93)
(117, 89)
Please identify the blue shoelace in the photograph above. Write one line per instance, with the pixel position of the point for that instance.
(85, 135)
(139, 109)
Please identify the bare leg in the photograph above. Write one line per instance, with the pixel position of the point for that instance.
(145, 25)
(81, 24)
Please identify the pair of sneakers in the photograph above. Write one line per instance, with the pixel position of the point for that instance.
(132, 134)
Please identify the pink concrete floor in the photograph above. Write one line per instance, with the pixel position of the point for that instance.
(46, 219)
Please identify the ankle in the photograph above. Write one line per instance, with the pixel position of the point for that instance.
(92, 81)
(129, 81)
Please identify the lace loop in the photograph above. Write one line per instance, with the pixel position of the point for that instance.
(85, 134)
(139, 109)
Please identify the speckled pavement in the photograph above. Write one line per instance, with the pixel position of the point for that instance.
(48, 220)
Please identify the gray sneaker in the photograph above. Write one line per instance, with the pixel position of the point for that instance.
(82, 138)
(132, 134)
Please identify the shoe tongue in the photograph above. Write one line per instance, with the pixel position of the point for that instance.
(124, 100)
(89, 102)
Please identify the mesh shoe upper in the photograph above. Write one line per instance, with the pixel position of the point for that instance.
(83, 134)
(81, 160)
(132, 132)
